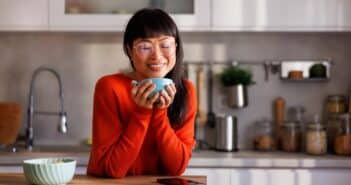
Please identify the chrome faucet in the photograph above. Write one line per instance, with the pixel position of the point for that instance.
(62, 125)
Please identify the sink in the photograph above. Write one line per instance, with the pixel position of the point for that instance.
(78, 152)
(62, 148)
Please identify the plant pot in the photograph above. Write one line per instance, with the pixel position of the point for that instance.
(237, 96)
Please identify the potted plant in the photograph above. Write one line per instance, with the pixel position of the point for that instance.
(235, 80)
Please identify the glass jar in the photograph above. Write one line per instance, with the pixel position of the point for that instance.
(316, 138)
(336, 104)
(264, 136)
(296, 113)
(291, 137)
(342, 142)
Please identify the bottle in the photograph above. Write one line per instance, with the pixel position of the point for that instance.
(316, 137)
(279, 115)
(342, 142)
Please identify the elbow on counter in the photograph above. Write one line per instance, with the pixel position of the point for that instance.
(114, 172)
(177, 172)
(108, 171)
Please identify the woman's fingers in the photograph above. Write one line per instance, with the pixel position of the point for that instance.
(145, 95)
(142, 86)
(162, 102)
(171, 90)
(154, 98)
(167, 97)
(142, 94)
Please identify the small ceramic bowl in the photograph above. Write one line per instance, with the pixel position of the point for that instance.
(160, 83)
(49, 171)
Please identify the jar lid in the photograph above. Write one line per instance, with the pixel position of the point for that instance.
(264, 123)
(345, 118)
(290, 124)
(336, 98)
(316, 126)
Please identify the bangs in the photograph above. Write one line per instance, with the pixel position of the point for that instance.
(152, 23)
(154, 27)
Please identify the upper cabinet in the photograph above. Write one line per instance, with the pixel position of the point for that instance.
(24, 15)
(281, 15)
(112, 15)
(190, 15)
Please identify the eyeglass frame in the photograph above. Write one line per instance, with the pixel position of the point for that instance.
(174, 47)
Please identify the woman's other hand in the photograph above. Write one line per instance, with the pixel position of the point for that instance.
(166, 98)
(141, 92)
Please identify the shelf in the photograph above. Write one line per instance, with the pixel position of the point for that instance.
(301, 68)
(306, 80)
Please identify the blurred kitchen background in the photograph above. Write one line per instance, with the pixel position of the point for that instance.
(82, 54)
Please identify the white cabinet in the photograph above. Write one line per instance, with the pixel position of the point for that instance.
(257, 176)
(190, 15)
(17, 15)
(269, 176)
(110, 15)
(281, 15)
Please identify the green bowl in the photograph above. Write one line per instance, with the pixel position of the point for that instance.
(49, 171)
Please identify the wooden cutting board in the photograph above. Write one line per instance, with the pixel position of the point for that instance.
(19, 179)
(10, 122)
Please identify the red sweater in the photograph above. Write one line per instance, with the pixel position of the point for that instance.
(131, 140)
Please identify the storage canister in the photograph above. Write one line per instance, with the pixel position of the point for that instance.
(316, 138)
(264, 136)
(226, 133)
(290, 137)
(336, 104)
(342, 142)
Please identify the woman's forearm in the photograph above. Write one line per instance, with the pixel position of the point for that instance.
(175, 147)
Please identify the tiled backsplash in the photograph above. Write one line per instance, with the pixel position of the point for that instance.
(81, 58)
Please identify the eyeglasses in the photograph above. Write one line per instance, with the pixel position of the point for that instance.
(145, 48)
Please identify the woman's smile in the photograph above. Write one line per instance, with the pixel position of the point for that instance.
(156, 67)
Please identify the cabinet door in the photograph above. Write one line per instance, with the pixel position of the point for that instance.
(290, 176)
(213, 175)
(111, 15)
(281, 15)
(16, 15)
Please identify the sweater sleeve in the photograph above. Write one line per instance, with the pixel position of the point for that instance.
(116, 145)
(175, 146)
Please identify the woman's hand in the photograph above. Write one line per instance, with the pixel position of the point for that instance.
(166, 98)
(141, 92)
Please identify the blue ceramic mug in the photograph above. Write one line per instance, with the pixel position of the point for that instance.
(160, 84)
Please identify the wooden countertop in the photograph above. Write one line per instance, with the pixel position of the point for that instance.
(19, 179)
(200, 158)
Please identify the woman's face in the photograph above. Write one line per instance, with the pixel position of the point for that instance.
(153, 57)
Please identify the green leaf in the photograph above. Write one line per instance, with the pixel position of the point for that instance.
(235, 75)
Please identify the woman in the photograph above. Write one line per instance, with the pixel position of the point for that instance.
(134, 134)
